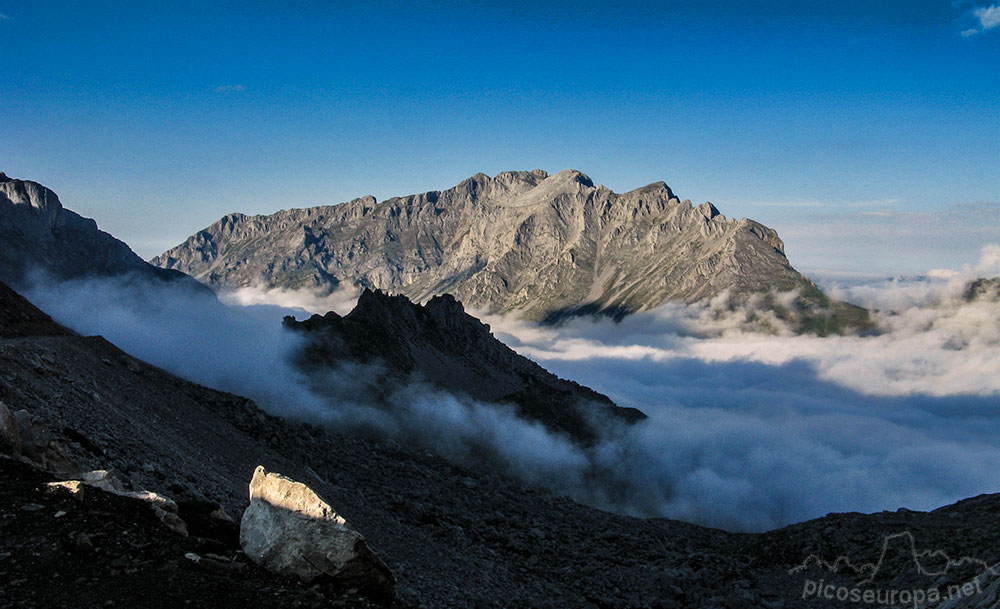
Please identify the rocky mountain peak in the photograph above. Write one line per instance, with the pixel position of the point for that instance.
(386, 308)
(30, 194)
(38, 233)
(542, 246)
(446, 308)
(708, 210)
(573, 175)
(442, 344)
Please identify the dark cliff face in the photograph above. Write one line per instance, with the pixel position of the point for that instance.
(38, 234)
(439, 342)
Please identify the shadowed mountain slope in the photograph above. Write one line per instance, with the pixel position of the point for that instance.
(38, 234)
(442, 344)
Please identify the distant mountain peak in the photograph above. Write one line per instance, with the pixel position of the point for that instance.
(542, 245)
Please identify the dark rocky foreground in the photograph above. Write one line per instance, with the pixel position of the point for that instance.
(452, 537)
(97, 549)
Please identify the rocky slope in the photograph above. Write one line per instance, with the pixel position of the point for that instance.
(441, 344)
(38, 233)
(545, 246)
(452, 537)
(96, 549)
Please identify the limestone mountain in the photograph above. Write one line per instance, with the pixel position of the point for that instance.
(443, 345)
(38, 233)
(541, 245)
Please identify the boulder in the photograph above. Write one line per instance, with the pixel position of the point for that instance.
(290, 530)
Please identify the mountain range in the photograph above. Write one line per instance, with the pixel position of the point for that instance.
(543, 246)
(75, 407)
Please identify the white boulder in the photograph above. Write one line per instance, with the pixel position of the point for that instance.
(290, 530)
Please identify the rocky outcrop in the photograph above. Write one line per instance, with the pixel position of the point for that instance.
(545, 246)
(38, 234)
(442, 344)
(290, 530)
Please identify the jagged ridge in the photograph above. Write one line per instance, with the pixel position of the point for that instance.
(522, 241)
(440, 343)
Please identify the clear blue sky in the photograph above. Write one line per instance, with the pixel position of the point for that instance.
(867, 133)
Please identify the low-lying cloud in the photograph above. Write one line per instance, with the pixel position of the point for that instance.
(304, 300)
(746, 430)
(753, 431)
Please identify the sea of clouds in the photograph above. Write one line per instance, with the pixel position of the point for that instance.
(746, 430)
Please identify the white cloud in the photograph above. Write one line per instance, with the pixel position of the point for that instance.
(752, 431)
(318, 301)
(224, 88)
(989, 16)
(746, 430)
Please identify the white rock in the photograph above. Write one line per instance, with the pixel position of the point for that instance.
(290, 530)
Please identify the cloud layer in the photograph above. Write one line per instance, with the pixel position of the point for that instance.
(747, 431)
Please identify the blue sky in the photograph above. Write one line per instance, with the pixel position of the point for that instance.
(867, 133)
